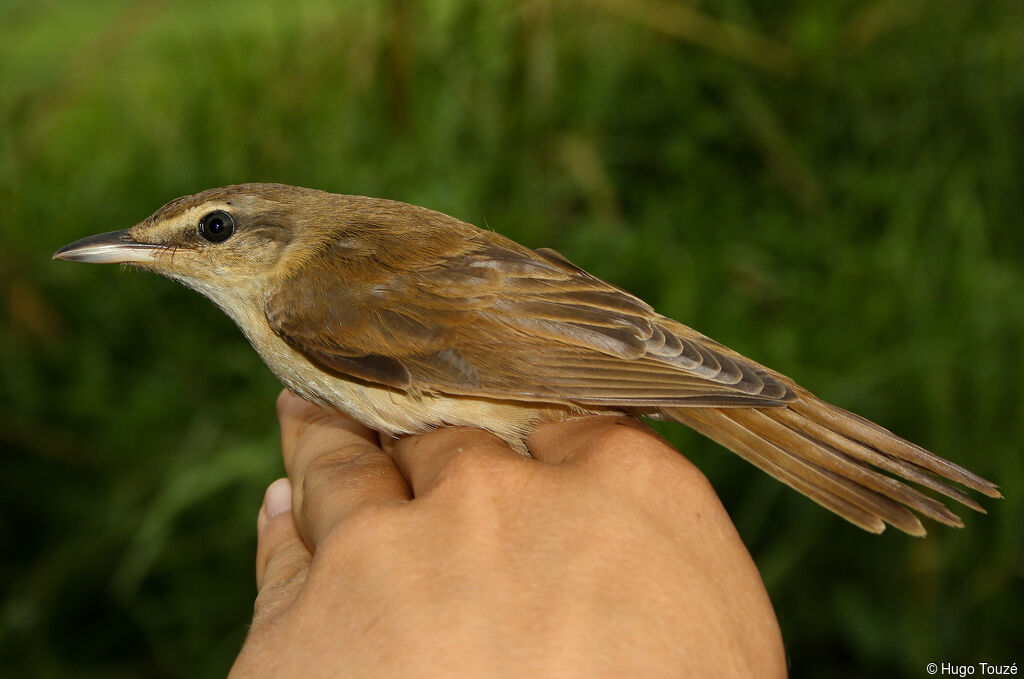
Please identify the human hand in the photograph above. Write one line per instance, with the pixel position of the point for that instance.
(607, 554)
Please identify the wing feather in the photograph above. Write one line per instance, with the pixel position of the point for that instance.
(502, 321)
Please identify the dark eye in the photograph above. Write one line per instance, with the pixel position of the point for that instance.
(217, 227)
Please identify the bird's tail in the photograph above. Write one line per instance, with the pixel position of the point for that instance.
(837, 459)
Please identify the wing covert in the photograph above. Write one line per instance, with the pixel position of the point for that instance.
(498, 320)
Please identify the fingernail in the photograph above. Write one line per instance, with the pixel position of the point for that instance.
(278, 498)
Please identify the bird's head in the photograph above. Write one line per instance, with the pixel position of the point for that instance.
(239, 245)
(240, 238)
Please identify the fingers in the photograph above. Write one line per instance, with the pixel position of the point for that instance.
(335, 466)
(299, 417)
(282, 558)
(558, 442)
(426, 459)
(640, 463)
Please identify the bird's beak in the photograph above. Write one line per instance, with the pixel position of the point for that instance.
(114, 247)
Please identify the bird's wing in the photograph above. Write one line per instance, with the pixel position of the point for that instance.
(503, 321)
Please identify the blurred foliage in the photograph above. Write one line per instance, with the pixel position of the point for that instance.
(833, 188)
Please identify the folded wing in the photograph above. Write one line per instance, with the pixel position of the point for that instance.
(502, 321)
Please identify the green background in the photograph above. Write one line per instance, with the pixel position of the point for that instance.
(833, 188)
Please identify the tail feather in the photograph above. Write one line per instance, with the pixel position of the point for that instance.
(856, 450)
(834, 457)
(858, 428)
(715, 426)
(812, 452)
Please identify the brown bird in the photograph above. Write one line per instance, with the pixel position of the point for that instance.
(408, 319)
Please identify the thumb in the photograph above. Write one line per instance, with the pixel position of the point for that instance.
(282, 558)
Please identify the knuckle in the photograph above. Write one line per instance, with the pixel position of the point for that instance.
(637, 453)
(479, 467)
(339, 474)
(356, 461)
(649, 470)
(618, 443)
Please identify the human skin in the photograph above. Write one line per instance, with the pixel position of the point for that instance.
(606, 554)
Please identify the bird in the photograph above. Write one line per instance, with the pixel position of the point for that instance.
(407, 319)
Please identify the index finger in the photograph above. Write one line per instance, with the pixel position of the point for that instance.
(425, 459)
(335, 467)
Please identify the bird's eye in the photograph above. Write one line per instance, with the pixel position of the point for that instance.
(217, 227)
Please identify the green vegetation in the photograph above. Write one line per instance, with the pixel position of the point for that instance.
(833, 188)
